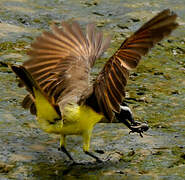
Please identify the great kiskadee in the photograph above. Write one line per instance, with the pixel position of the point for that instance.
(57, 77)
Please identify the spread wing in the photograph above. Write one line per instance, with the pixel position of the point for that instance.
(60, 61)
(109, 87)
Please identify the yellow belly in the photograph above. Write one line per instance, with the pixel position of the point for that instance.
(75, 119)
(78, 119)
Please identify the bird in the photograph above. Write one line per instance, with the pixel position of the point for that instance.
(57, 76)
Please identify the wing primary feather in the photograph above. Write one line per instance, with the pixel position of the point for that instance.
(114, 103)
(122, 72)
(105, 104)
(99, 100)
(62, 41)
(71, 35)
(115, 90)
(80, 35)
(116, 79)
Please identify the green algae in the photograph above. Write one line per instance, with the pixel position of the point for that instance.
(13, 47)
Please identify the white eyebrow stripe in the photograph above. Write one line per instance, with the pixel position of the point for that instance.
(126, 108)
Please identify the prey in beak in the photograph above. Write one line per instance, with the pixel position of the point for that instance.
(126, 116)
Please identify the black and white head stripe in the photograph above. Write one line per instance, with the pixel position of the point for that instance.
(126, 108)
(125, 114)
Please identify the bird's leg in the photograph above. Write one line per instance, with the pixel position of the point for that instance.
(86, 145)
(63, 149)
(125, 116)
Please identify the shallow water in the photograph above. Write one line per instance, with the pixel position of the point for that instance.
(156, 94)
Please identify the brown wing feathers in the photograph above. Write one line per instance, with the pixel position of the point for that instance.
(60, 62)
(109, 87)
(62, 57)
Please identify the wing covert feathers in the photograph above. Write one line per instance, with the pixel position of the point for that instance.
(109, 87)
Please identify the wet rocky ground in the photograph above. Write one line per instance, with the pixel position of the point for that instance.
(156, 94)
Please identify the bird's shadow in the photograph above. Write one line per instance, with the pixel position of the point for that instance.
(83, 167)
(67, 168)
